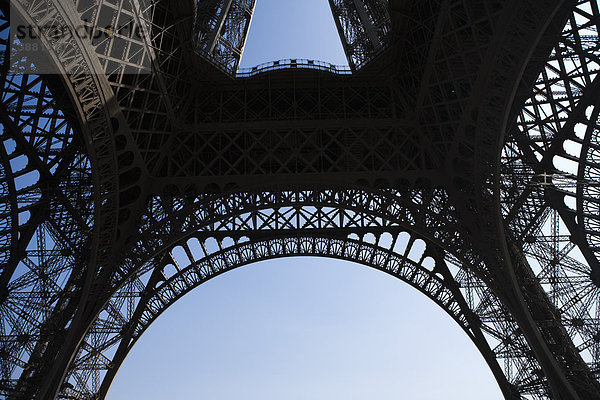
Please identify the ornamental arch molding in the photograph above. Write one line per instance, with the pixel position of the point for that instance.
(191, 262)
(192, 240)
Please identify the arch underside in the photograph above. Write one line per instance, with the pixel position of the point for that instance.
(279, 223)
(221, 28)
(177, 271)
(134, 243)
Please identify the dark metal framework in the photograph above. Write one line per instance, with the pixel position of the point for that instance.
(462, 156)
(222, 27)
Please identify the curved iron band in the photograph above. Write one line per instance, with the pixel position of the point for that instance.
(33, 197)
(437, 284)
(534, 202)
(91, 97)
(170, 222)
(10, 209)
(587, 200)
(423, 211)
(62, 168)
(491, 112)
(379, 210)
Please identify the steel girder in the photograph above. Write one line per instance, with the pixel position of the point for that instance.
(241, 221)
(409, 144)
(47, 211)
(149, 294)
(364, 28)
(547, 177)
(222, 27)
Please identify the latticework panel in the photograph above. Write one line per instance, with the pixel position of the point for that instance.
(221, 28)
(364, 27)
(46, 213)
(549, 181)
(193, 261)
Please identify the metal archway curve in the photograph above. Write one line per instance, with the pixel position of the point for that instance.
(190, 263)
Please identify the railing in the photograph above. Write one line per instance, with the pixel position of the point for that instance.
(294, 63)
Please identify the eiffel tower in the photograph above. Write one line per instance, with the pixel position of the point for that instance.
(458, 152)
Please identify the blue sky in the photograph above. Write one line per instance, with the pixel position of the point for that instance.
(303, 328)
(283, 29)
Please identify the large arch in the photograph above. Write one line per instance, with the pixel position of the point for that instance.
(307, 298)
(189, 262)
(271, 216)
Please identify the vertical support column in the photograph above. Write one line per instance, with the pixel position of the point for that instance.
(222, 28)
(367, 23)
(363, 26)
(568, 375)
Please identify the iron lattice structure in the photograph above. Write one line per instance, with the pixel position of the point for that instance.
(461, 155)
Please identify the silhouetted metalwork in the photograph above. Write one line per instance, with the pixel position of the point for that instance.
(222, 27)
(364, 27)
(462, 156)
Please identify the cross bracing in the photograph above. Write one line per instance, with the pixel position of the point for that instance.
(221, 28)
(459, 156)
